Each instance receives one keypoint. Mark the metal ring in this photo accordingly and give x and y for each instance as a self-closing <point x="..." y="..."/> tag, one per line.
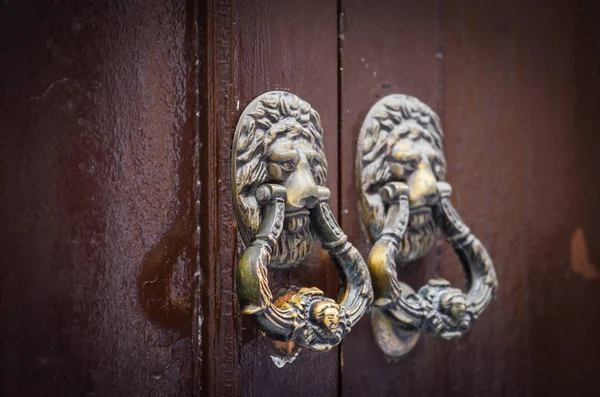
<point x="404" y="201"/>
<point x="436" y="308"/>
<point x="281" y="205"/>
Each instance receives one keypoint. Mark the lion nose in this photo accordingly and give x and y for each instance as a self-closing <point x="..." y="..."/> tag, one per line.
<point x="302" y="191"/>
<point x="422" y="187"/>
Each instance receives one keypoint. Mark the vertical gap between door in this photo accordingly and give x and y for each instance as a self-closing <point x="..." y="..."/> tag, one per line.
<point x="440" y="47"/>
<point x="197" y="39"/>
<point x="439" y="109"/>
<point x="340" y="113"/>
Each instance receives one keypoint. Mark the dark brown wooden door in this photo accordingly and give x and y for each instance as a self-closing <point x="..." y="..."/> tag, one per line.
<point x="513" y="83"/>
<point x="117" y="231"/>
<point x="98" y="230"/>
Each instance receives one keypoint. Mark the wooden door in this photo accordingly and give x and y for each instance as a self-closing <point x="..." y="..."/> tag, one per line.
<point x="99" y="170"/>
<point x="255" y="47"/>
<point x="513" y="83"/>
<point x="117" y="229"/>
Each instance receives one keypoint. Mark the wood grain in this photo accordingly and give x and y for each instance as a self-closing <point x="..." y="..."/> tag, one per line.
<point x="562" y="84"/>
<point x="399" y="54"/>
<point x="514" y="85"/>
<point x="98" y="222"/>
<point x="484" y="115"/>
<point x="117" y="229"/>
<point x="259" y="46"/>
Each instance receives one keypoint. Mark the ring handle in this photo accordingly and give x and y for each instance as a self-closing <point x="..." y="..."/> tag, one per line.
<point x="404" y="201"/>
<point x="308" y="318"/>
<point x="436" y="308"/>
<point x="281" y="205"/>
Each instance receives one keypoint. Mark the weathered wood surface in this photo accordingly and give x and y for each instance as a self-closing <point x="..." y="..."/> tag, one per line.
<point x="117" y="120"/>
<point x="97" y="160"/>
<point x="259" y="46"/>
<point x="515" y="85"/>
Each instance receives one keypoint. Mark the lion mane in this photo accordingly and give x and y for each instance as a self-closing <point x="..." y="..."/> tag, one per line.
<point x="400" y="117"/>
<point x="274" y="116"/>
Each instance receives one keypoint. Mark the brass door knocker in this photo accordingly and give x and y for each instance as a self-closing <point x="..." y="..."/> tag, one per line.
<point x="404" y="201"/>
<point x="281" y="206"/>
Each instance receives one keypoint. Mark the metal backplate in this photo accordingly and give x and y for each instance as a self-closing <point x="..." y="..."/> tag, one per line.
<point x="281" y="206"/>
<point x="393" y="340"/>
<point x="405" y="202"/>
<point x="400" y="140"/>
<point x="278" y="139"/>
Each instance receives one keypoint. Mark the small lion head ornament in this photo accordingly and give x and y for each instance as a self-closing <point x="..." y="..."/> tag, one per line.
<point x="280" y="141"/>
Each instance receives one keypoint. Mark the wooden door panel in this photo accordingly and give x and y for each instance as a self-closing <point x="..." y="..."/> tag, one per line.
<point x="117" y="227"/>
<point x="386" y="48"/>
<point x="483" y="115"/>
<point x="259" y="46"/>
<point x="513" y="85"/>
<point x="561" y="217"/>
<point x="97" y="163"/>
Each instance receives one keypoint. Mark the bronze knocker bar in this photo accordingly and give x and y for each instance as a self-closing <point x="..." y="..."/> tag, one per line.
<point x="281" y="206"/>
<point x="404" y="200"/>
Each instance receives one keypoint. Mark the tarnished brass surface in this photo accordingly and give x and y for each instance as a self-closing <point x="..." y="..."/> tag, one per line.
<point x="281" y="206"/>
<point x="391" y="338"/>
<point x="401" y="140"/>
<point x="404" y="202"/>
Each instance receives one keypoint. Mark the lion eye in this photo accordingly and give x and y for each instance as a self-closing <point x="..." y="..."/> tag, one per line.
<point x="287" y="166"/>
<point x="410" y="165"/>
<point x="438" y="169"/>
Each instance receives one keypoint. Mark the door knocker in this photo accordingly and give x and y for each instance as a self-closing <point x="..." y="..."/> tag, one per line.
<point x="281" y="206"/>
<point x="404" y="201"/>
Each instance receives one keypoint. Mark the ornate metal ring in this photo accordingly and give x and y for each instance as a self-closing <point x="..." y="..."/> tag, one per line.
<point x="281" y="206"/>
<point x="401" y="169"/>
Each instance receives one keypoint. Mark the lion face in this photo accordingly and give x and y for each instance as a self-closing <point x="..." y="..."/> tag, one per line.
<point x="403" y="144"/>
<point x="292" y="163"/>
<point x="416" y="162"/>
<point x="281" y="142"/>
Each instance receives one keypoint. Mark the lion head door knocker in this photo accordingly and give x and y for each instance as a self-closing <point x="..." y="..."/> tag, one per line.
<point x="404" y="201"/>
<point x="281" y="206"/>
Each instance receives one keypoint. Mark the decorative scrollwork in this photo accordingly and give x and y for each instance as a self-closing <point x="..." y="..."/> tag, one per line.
<point x="308" y="318"/>
<point x="404" y="200"/>
<point x="281" y="205"/>
<point x="436" y="308"/>
<point x="397" y="128"/>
